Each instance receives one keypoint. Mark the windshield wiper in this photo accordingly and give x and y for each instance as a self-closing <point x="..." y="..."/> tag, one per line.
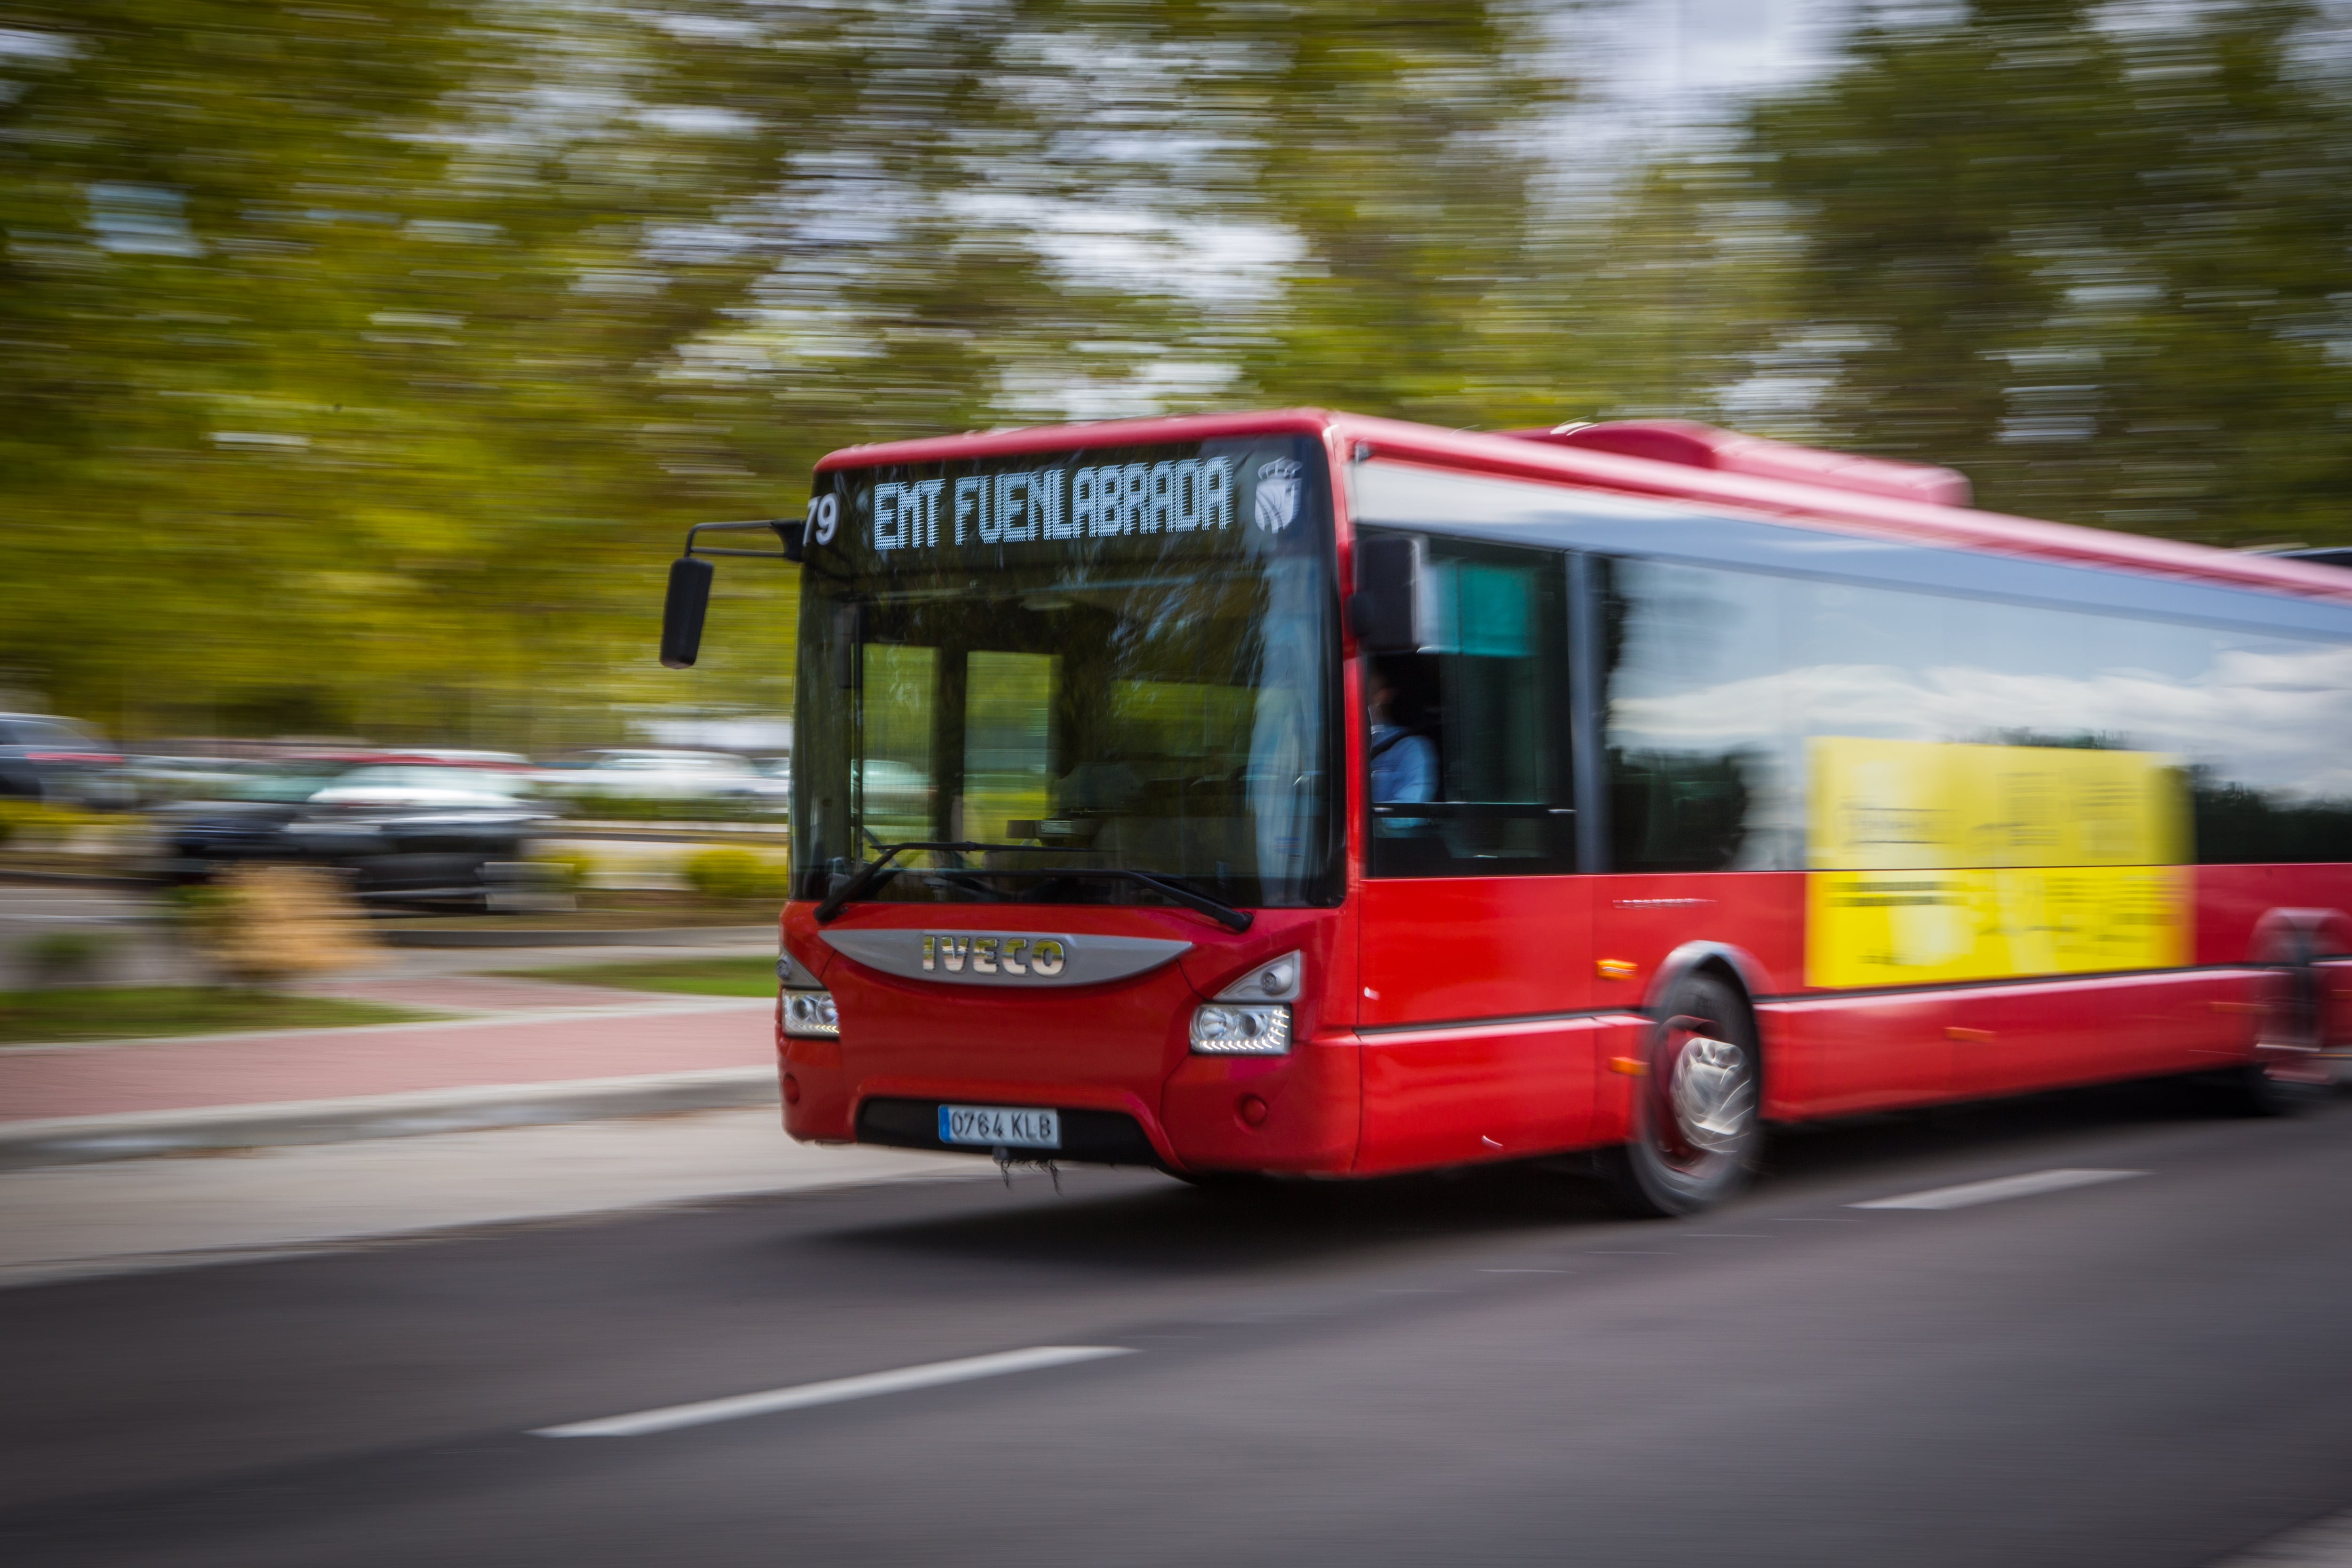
<point x="1216" y="909"/>
<point x="857" y="886"/>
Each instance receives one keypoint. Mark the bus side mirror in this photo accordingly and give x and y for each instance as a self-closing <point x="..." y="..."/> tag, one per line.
<point x="682" y="611"/>
<point x="1385" y="610"/>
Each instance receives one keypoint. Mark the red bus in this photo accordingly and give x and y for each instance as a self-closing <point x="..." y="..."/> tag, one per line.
<point x="1302" y="793"/>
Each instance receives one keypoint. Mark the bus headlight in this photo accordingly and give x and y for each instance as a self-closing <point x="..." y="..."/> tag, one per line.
<point x="810" y="1015"/>
<point x="1242" y="1028"/>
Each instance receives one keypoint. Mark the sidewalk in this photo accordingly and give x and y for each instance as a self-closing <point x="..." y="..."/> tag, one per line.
<point x="414" y="1130"/>
<point x="40" y="1083"/>
<point x="525" y="1051"/>
<point x="140" y="1216"/>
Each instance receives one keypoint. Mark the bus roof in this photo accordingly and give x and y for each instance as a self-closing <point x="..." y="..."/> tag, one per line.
<point x="1517" y="458"/>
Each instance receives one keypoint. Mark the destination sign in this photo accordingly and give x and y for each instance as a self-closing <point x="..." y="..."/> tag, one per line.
<point x="1104" y="500"/>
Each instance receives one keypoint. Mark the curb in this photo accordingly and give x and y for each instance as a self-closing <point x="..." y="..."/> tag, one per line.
<point x="78" y="879"/>
<point x="88" y="1140"/>
<point x="653" y="937"/>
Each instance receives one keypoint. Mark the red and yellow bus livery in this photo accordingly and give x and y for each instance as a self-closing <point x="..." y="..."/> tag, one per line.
<point x="1310" y="794"/>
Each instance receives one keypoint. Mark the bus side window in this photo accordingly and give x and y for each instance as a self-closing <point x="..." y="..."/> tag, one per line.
<point x="1466" y="740"/>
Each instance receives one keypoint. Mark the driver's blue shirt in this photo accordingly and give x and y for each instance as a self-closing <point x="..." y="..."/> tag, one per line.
<point x="1404" y="765"/>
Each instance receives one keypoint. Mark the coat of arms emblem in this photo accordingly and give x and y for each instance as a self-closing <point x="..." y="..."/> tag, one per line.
<point x="1277" y="493"/>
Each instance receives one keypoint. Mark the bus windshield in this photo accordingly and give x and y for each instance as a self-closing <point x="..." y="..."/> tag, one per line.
<point x="1077" y="666"/>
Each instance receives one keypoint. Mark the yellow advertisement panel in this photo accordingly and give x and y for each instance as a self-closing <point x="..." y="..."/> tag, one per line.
<point x="1934" y="862"/>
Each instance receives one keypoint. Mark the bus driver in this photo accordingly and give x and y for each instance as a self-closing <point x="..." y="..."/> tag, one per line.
<point x="1403" y="762"/>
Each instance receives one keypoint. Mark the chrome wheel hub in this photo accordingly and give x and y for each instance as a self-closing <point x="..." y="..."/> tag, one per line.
<point x="1713" y="1097"/>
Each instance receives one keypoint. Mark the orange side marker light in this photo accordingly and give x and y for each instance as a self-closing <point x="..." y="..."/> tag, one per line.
<point x="1617" y="968"/>
<point x="1630" y="1066"/>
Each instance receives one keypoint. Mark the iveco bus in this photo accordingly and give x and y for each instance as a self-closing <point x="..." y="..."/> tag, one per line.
<point x="1301" y="793"/>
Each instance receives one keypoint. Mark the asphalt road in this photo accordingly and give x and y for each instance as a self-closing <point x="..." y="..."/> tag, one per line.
<point x="2147" y="1370"/>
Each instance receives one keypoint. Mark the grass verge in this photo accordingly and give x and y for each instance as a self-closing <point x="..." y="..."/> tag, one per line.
<point x="632" y="909"/>
<point x="128" y="1012"/>
<point x="737" y="976"/>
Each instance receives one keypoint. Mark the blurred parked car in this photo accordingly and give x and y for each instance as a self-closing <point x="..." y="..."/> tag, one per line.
<point x="60" y="763"/>
<point x="426" y="784"/>
<point x="667" y="775"/>
<point x="415" y="831"/>
<point x="471" y="758"/>
<point x="895" y="791"/>
<point x="157" y="778"/>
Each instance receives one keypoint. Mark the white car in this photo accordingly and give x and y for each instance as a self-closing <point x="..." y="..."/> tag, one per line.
<point x="426" y="786"/>
<point x="667" y="775"/>
<point x="895" y="792"/>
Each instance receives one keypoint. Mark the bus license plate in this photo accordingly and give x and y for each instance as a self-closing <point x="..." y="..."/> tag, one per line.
<point x="999" y="1127"/>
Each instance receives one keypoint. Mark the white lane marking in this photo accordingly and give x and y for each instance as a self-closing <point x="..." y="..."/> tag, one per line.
<point x="833" y="1391"/>
<point x="1969" y="1194"/>
<point x="2327" y="1543"/>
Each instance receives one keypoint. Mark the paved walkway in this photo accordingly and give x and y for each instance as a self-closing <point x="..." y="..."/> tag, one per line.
<point x="510" y="1030"/>
<point x="484" y="994"/>
<point x="523" y="1048"/>
<point x="668" y="1034"/>
<point x="136" y="1216"/>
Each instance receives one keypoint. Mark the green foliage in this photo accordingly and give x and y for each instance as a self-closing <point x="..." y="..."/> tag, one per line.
<point x="121" y="1012"/>
<point x="1393" y="141"/>
<point x="2099" y="267"/>
<point x="63" y="958"/>
<point x="372" y="359"/>
<point x="731" y="977"/>
<point x="362" y="365"/>
<point x="736" y="873"/>
<point x="23" y="821"/>
<point x="568" y="872"/>
<point x="674" y="809"/>
<point x="337" y="367"/>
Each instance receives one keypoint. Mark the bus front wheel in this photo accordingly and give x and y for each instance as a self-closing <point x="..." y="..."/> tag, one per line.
<point x="1698" y="1118"/>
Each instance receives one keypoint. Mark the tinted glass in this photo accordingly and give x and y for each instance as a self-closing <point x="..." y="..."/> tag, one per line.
<point x="467" y="780"/>
<point x="45" y="732"/>
<point x="282" y="786"/>
<point x="1087" y="662"/>
<point x="1701" y="770"/>
<point x="1718" y="679"/>
<point x="1466" y="738"/>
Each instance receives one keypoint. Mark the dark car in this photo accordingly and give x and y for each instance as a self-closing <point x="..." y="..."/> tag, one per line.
<point x="59" y="763"/>
<point x="398" y="829"/>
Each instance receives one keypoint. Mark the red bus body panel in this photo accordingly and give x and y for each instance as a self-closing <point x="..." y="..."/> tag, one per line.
<point x="1119" y="1047"/>
<point x="1451" y="1021"/>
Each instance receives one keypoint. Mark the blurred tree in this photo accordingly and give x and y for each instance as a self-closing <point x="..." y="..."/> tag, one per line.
<point x="359" y="363"/>
<point x="1394" y="141"/>
<point x="326" y="350"/>
<point x="2092" y="256"/>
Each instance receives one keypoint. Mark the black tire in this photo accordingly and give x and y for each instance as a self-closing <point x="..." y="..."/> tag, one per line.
<point x="2287" y="1075"/>
<point x="2254" y="1090"/>
<point x="1698" y="1108"/>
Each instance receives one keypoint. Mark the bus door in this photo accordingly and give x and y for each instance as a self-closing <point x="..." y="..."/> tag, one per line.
<point x="1475" y="933"/>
